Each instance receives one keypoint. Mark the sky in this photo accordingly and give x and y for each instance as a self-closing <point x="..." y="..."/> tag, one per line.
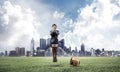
<point x="96" y="23"/>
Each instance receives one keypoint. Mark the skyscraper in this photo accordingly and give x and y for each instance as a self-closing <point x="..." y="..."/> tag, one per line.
<point x="82" y="49"/>
<point x="17" y="51"/>
<point x="32" y="47"/>
<point x="61" y="43"/>
<point x="92" y="52"/>
<point x="70" y="49"/>
<point x="48" y="43"/>
<point x="20" y="51"/>
<point x="76" y="49"/>
<point x="42" y="44"/>
<point x="6" y="53"/>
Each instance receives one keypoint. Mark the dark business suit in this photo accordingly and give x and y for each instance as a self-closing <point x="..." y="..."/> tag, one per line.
<point x="54" y="37"/>
<point x="54" y="40"/>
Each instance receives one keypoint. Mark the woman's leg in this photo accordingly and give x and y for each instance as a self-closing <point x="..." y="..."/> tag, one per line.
<point x="56" y="45"/>
<point x="54" y="51"/>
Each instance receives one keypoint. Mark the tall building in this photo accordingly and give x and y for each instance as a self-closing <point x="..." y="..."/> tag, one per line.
<point x="47" y="43"/>
<point x="70" y="49"/>
<point x="42" y="44"/>
<point x="32" y="47"/>
<point x="6" y="53"/>
<point x="61" y="43"/>
<point x="76" y="49"/>
<point x="92" y="52"/>
<point x="82" y="49"/>
<point x="20" y="51"/>
<point x="17" y="49"/>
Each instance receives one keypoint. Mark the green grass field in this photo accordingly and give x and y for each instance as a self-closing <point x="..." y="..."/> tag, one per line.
<point x="45" y="64"/>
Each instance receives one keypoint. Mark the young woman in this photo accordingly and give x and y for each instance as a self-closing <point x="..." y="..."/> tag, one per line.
<point x="54" y="41"/>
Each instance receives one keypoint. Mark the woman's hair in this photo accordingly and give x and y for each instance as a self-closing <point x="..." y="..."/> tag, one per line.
<point x="54" y="25"/>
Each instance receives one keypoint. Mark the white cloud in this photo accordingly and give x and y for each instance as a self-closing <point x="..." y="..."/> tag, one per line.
<point x="23" y="21"/>
<point x="57" y="15"/>
<point x="5" y="19"/>
<point x="18" y="22"/>
<point x="94" y="23"/>
<point x="117" y="39"/>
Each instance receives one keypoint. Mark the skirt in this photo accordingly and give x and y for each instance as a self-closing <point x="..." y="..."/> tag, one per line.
<point x="54" y="41"/>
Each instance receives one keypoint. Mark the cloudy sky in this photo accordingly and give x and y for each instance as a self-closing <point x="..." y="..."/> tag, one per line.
<point x="96" y="23"/>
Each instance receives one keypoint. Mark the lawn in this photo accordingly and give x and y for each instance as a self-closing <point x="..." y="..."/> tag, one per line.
<point x="45" y="64"/>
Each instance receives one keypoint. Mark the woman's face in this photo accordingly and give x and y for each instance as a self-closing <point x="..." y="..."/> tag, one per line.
<point x="54" y="27"/>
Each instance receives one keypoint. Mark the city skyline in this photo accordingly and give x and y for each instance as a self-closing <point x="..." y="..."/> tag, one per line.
<point x="44" y="50"/>
<point x="92" y="22"/>
<point x="44" y="43"/>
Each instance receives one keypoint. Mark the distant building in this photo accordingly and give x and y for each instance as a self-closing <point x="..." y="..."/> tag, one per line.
<point x="42" y="44"/>
<point x="47" y="43"/>
<point x="76" y="49"/>
<point x="48" y="52"/>
<point x="116" y="53"/>
<point x="2" y="54"/>
<point x="79" y="53"/>
<point x="17" y="49"/>
<point x="28" y="53"/>
<point x="73" y="52"/>
<point x="103" y="49"/>
<point x="61" y="43"/>
<point x="40" y="52"/>
<point x="32" y="50"/>
<point x="87" y="53"/>
<point x="70" y="49"/>
<point x="20" y="51"/>
<point x="82" y="49"/>
<point x="103" y="52"/>
<point x="12" y="53"/>
<point x="98" y="52"/>
<point x="92" y="52"/>
<point x="6" y="53"/>
<point x="110" y="53"/>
